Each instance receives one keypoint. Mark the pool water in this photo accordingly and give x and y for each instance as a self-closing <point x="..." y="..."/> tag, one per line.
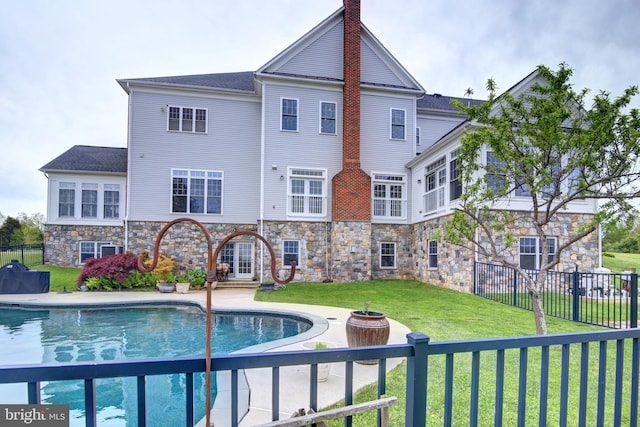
<point x="94" y="334"/>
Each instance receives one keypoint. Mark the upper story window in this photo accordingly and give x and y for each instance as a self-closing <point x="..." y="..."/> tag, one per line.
<point x="89" y="200"/>
<point x="196" y="191"/>
<point x="398" y="124"/>
<point x="307" y="192"/>
<point x="289" y="114"/>
<point x="328" y="117"/>
<point x="187" y="119"/>
<point x="111" y="201"/>
<point x="455" y="181"/>
<point x="387" y="255"/>
<point x="417" y="136"/>
<point x="66" y="199"/>
<point x="290" y="252"/>
<point x="389" y="196"/>
<point x="531" y="252"/>
<point x="435" y="183"/>
<point x="496" y="180"/>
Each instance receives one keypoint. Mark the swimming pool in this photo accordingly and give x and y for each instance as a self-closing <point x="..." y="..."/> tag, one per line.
<point x="129" y="332"/>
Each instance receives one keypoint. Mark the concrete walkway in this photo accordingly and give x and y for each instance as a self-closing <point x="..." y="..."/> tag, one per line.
<point x="294" y="380"/>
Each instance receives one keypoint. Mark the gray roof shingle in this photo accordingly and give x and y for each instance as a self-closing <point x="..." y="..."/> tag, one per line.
<point x="443" y="103"/>
<point x="88" y="158"/>
<point x="242" y="81"/>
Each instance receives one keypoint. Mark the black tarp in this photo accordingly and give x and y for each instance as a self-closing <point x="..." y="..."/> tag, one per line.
<point x="16" y="278"/>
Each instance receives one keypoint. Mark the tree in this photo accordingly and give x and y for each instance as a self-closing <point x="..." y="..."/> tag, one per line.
<point x="32" y="228"/>
<point x="544" y="144"/>
<point x="8" y="232"/>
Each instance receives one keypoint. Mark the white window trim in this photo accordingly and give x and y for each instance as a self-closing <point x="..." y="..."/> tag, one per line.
<point x="288" y="267"/>
<point x="441" y="191"/>
<point x="430" y="254"/>
<point x="323" y="178"/>
<point x="297" y="129"/>
<point x="404" y="124"/>
<point x="96" y="249"/>
<point x="538" y="254"/>
<point x="335" y="119"/>
<point x="206" y="177"/>
<point x="182" y="107"/>
<point x="395" y="255"/>
<point x="403" y="200"/>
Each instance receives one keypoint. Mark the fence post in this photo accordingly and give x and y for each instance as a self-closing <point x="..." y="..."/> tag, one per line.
<point x="634" y="300"/>
<point x="416" y="407"/>
<point x="42" y="247"/>
<point x="515" y="286"/>
<point x="576" y="296"/>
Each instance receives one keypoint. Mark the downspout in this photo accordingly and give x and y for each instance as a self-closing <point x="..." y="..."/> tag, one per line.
<point x="262" y="160"/>
<point x="126" y="178"/>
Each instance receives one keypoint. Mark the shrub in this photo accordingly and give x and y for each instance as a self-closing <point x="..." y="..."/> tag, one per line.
<point x="112" y="270"/>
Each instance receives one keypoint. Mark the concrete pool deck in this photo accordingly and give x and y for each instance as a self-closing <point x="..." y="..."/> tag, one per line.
<point x="294" y="380"/>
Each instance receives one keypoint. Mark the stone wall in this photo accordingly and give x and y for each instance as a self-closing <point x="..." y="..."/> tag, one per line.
<point x="402" y="236"/>
<point x="61" y="242"/>
<point x="315" y="241"/>
<point x="184" y="241"/>
<point x="351" y="251"/>
<point x="455" y="265"/>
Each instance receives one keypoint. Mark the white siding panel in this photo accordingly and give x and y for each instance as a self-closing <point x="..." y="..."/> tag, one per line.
<point x="321" y="58"/>
<point x="432" y="129"/>
<point x="306" y="148"/>
<point x="232" y="145"/>
<point x="374" y="70"/>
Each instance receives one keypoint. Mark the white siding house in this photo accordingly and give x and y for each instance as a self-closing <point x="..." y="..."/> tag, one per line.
<point x="263" y="150"/>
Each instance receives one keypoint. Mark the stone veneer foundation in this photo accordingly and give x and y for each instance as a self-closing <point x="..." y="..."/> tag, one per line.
<point x="62" y="245"/>
<point x="340" y="251"/>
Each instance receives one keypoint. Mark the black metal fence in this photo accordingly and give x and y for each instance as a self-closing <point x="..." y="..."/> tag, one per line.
<point x="587" y="379"/>
<point x="603" y="299"/>
<point x="28" y="255"/>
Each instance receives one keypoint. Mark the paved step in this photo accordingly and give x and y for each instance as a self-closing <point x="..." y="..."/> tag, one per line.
<point x="226" y="284"/>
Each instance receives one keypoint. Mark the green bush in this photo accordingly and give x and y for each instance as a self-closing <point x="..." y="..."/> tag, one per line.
<point x="114" y="272"/>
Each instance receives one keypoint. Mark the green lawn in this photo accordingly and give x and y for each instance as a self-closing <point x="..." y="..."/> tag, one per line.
<point x="620" y="262"/>
<point x="446" y="315"/>
<point x="60" y="277"/>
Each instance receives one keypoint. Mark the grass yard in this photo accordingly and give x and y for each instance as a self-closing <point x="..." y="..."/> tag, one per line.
<point x="60" y="277"/>
<point x="446" y="315"/>
<point x="620" y="262"/>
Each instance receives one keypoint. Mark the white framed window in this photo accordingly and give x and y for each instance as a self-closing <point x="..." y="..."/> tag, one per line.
<point x="289" y="114"/>
<point x="435" y="184"/>
<point x="307" y="192"/>
<point x="531" y="252"/>
<point x="111" y="202"/>
<point x="389" y="196"/>
<point x="398" y="124"/>
<point x="387" y="255"/>
<point x="187" y="119"/>
<point x="455" y="180"/>
<point x="89" y="200"/>
<point x="417" y="136"/>
<point x="328" y="111"/>
<point x="433" y="253"/>
<point x="88" y="250"/>
<point x="67" y="199"/>
<point x="496" y="179"/>
<point x="290" y="252"/>
<point x="196" y="191"/>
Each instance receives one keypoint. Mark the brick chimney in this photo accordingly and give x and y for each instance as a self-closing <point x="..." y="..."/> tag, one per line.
<point x="351" y="186"/>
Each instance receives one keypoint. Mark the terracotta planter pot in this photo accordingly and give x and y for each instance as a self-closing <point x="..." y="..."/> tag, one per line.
<point x="365" y="330"/>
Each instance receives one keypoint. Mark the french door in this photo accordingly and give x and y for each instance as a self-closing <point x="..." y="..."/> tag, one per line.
<point x="240" y="257"/>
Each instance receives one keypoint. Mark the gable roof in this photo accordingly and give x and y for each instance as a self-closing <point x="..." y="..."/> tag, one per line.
<point x="240" y="81"/>
<point x="84" y="158"/>
<point x="318" y="55"/>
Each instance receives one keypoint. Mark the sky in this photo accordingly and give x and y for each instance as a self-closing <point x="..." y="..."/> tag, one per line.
<point x="59" y="60"/>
